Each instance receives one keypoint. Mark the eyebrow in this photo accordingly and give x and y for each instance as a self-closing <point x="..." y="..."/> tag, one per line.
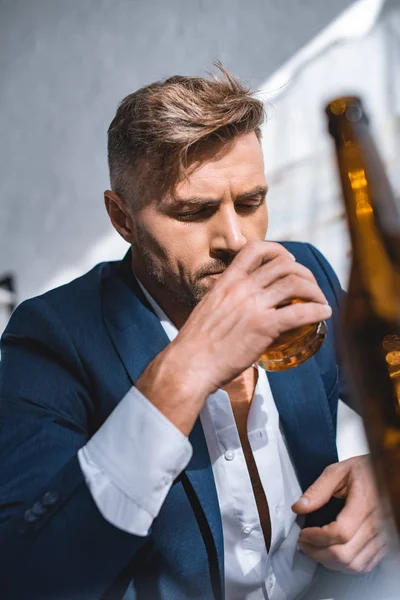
<point x="260" y="190"/>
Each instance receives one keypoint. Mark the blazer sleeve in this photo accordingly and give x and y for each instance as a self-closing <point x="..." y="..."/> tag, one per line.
<point x="338" y="296"/>
<point x="54" y="541"/>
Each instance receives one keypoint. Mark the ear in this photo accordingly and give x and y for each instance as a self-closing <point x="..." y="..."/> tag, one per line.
<point x="119" y="215"/>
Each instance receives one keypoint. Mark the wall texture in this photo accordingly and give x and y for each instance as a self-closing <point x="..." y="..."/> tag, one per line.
<point x="305" y="199"/>
<point x="64" y="66"/>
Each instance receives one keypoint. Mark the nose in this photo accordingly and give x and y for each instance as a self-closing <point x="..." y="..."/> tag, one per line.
<point x="227" y="237"/>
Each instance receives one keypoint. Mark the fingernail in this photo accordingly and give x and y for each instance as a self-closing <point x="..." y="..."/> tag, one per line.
<point x="303" y="501"/>
<point x="292" y="255"/>
<point x="327" y="309"/>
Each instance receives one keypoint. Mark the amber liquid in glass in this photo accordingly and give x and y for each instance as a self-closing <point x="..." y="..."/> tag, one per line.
<point x="293" y="347"/>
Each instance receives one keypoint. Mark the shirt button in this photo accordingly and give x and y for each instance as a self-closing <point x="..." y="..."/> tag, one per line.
<point x="270" y="582"/>
<point x="229" y="455"/>
<point x="30" y="517"/>
<point x="246" y="530"/>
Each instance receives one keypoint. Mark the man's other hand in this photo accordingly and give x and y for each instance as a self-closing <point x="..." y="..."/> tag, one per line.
<point x="354" y="542"/>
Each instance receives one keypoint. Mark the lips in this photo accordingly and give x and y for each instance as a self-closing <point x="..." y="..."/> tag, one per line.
<point x="211" y="273"/>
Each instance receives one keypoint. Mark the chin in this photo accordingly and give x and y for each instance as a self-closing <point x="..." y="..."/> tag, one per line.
<point x="203" y="289"/>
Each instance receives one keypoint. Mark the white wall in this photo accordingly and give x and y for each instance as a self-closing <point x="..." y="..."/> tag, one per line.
<point x="305" y="199"/>
<point x="355" y="56"/>
<point x="64" y="66"/>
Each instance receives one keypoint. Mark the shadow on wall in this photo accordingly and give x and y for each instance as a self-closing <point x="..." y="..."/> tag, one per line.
<point x="7" y="299"/>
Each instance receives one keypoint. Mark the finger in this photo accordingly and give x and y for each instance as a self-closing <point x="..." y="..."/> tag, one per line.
<point x="278" y="268"/>
<point x="296" y="315"/>
<point x="320" y="537"/>
<point x="319" y="555"/>
<point x="360" y="503"/>
<point x="327" y="484"/>
<point x="341" y="533"/>
<point x="376" y="560"/>
<point x="369" y="555"/>
<point x="252" y="256"/>
<point x="354" y="554"/>
<point x="343" y="558"/>
<point x="289" y="288"/>
<point x="325" y="557"/>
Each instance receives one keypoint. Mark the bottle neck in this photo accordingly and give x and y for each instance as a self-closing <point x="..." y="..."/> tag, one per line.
<point x="372" y="213"/>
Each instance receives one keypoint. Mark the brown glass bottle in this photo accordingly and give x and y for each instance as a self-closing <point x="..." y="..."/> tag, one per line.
<point x="371" y="316"/>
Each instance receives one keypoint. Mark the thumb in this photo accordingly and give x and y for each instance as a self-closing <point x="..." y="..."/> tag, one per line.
<point x="321" y="491"/>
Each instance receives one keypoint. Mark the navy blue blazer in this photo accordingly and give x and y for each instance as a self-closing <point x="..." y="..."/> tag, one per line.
<point x="68" y="357"/>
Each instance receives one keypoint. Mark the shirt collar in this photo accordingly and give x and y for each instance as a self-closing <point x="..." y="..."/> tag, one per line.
<point x="166" y="323"/>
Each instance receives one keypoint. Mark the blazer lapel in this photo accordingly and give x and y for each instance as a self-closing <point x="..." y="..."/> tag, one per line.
<point x="135" y="330"/>
<point x="301" y="400"/>
<point x="200" y="475"/>
<point x="138" y="337"/>
<point x="300" y="397"/>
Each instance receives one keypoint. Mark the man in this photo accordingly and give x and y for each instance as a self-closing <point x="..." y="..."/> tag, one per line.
<point x="144" y="453"/>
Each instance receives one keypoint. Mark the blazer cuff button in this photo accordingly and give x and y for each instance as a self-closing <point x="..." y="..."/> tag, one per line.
<point x="50" y="498"/>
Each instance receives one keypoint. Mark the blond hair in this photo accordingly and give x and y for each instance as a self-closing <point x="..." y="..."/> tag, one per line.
<point x="158" y="129"/>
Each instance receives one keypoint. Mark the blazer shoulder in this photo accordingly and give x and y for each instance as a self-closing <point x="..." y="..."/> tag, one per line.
<point x="46" y="344"/>
<point x="83" y="289"/>
<point x="78" y="300"/>
<point x="55" y="319"/>
<point x="309" y="256"/>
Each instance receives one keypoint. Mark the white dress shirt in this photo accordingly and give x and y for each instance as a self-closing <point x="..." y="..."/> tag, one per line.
<point x="129" y="493"/>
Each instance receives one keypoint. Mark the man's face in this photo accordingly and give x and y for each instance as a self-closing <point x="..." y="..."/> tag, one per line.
<point x="182" y="241"/>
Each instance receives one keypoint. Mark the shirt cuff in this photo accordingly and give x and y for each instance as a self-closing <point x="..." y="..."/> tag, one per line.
<point x="131" y="461"/>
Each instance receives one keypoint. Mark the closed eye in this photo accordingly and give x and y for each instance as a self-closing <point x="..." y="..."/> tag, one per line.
<point x="248" y="207"/>
<point x="204" y="212"/>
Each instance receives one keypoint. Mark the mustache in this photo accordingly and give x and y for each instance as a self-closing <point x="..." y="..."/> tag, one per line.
<point x="212" y="268"/>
